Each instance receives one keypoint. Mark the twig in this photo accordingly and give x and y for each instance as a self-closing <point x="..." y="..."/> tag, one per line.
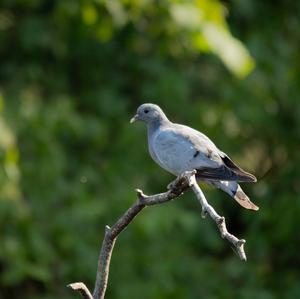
<point x="82" y="289"/>
<point x="176" y="188"/>
<point x="220" y="221"/>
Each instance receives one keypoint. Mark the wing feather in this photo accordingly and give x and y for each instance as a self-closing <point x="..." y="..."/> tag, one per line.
<point x="178" y="148"/>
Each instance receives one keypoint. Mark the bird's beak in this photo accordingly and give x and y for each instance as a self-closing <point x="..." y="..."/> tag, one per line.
<point x="135" y="118"/>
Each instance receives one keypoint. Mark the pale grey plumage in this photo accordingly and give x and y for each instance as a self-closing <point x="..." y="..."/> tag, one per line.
<point x="178" y="148"/>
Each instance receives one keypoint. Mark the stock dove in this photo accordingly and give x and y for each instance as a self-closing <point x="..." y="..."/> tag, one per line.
<point x="178" y="148"/>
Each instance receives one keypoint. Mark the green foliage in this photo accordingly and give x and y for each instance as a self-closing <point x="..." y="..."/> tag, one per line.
<point x="72" y="74"/>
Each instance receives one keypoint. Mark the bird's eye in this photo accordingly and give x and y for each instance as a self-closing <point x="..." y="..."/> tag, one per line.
<point x="146" y="111"/>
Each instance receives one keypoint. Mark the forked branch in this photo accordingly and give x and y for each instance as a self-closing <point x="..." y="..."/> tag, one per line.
<point x="176" y="188"/>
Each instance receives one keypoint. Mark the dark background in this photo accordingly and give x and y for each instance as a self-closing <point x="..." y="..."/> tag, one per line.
<point x="72" y="73"/>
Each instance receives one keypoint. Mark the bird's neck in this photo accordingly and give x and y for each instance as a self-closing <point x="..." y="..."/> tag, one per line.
<point x="156" y="124"/>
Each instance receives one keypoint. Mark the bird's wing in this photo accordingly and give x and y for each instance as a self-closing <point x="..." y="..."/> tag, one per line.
<point x="179" y="148"/>
<point x="243" y="175"/>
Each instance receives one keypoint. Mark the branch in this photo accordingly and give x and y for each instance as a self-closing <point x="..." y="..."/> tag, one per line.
<point x="220" y="221"/>
<point x="176" y="188"/>
<point x="82" y="289"/>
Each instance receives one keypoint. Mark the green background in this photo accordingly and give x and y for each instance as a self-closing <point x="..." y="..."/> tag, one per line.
<point x="72" y="73"/>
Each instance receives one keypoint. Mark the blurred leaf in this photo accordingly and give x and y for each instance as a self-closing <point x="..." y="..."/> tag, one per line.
<point x="229" y="49"/>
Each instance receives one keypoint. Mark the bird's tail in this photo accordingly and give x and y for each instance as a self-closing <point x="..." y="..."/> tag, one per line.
<point x="235" y="191"/>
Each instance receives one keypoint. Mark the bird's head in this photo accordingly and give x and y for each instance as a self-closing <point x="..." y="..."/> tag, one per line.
<point x="149" y="113"/>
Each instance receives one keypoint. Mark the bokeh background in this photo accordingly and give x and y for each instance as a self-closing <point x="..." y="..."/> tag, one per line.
<point x="72" y="73"/>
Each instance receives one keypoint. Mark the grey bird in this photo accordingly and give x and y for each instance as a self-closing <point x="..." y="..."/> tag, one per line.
<point x="178" y="148"/>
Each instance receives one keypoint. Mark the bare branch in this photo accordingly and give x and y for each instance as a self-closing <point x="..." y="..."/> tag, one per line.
<point x="82" y="289"/>
<point x="220" y="221"/>
<point x="176" y="188"/>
